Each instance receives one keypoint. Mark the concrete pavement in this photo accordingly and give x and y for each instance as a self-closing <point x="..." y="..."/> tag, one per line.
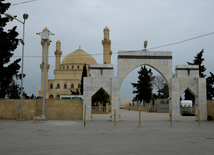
<point x="100" y="137"/>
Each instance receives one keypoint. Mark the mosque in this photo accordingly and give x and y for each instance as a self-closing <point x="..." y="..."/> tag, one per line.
<point x="68" y="72"/>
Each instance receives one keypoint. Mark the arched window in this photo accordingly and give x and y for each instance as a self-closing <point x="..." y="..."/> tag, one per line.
<point x="65" y="86"/>
<point x="58" y="86"/>
<point x="72" y="85"/>
<point x="72" y="67"/>
<point x="78" y="67"/>
<point x="67" y="67"/>
<point x="51" y="86"/>
<point x="79" y="85"/>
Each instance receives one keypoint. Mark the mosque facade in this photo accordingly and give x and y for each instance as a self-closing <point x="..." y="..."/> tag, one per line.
<point x="68" y="72"/>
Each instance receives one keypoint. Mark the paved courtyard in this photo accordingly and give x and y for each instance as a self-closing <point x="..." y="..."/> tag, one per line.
<point x="155" y="136"/>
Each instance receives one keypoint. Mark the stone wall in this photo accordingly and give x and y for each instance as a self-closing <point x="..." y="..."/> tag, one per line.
<point x="162" y="105"/>
<point x="210" y="108"/>
<point x="54" y="109"/>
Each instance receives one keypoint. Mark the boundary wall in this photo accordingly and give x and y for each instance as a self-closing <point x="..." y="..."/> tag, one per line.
<point x="54" y="109"/>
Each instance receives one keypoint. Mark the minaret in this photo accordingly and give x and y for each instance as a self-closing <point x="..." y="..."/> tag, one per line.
<point x="106" y="47"/>
<point x="42" y="65"/>
<point x="58" y="54"/>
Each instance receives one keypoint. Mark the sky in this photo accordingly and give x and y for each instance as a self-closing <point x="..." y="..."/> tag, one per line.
<point x="81" y="22"/>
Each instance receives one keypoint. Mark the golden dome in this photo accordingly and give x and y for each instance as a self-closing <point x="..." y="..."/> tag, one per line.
<point x="125" y="101"/>
<point x="79" y="56"/>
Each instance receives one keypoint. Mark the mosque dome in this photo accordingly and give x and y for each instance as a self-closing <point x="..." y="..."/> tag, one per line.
<point x="106" y="29"/>
<point x="79" y="56"/>
<point x="125" y="101"/>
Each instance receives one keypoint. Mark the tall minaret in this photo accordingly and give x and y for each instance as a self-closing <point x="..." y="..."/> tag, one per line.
<point x="42" y="65"/>
<point x="106" y="47"/>
<point x="58" y="54"/>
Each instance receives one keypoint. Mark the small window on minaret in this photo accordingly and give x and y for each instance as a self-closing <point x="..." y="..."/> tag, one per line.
<point x="79" y="85"/>
<point x="67" y="67"/>
<point x="78" y="67"/>
<point x="72" y="67"/>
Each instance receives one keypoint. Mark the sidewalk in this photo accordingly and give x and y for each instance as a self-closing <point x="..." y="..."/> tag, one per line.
<point x="154" y="137"/>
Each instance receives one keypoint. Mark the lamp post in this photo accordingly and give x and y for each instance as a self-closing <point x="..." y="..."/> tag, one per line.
<point x="45" y="35"/>
<point x="34" y="84"/>
<point x="25" y="16"/>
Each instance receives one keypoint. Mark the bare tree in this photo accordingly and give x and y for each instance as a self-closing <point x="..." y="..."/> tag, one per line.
<point x="158" y="82"/>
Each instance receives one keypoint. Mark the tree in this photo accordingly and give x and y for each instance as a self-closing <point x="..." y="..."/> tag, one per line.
<point x="158" y="82"/>
<point x="101" y="96"/>
<point x="84" y="74"/>
<point x="163" y="92"/>
<point x="210" y="86"/>
<point x="143" y="87"/>
<point x="75" y="92"/>
<point x="15" y="91"/>
<point x="8" y="43"/>
<point x="198" y="61"/>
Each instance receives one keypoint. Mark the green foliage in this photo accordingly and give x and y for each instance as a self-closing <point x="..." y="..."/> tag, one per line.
<point x="210" y="86"/>
<point x="143" y="87"/>
<point x="163" y="92"/>
<point x="15" y="91"/>
<point x="84" y="74"/>
<point x="75" y="92"/>
<point x="101" y="96"/>
<point x="198" y="61"/>
<point x="8" y="43"/>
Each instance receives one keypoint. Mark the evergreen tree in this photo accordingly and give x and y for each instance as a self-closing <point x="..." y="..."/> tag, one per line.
<point x="198" y="61"/>
<point x="101" y="96"/>
<point x="8" y="43"/>
<point x="143" y="87"/>
<point x="15" y="91"/>
<point x="75" y="92"/>
<point x="84" y="74"/>
<point x="210" y="86"/>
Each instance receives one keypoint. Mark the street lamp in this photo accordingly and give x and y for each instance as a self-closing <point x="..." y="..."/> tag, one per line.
<point x="25" y="16"/>
<point x="45" y="35"/>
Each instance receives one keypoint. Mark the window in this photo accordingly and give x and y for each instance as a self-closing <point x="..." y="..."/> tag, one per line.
<point x="58" y="86"/>
<point x="72" y="85"/>
<point x="78" y="67"/>
<point x="67" y="67"/>
<point x="63" y="67"/>
<point x="65" y="86"/>
<point x="72" y="67"/>
<point x="51" y="86"/>
<point x="79" y="85"/>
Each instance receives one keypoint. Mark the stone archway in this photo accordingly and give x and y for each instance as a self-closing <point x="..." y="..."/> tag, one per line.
<point x="102" y="75"/>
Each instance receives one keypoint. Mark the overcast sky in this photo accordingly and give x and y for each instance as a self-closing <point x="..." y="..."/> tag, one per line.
<point x="131" y="22"/>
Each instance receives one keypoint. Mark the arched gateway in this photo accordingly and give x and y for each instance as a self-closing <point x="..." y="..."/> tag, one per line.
<point x="187" y="77"/>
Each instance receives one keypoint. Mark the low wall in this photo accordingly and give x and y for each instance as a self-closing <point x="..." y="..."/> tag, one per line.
<point x="54" y="109"/>
<point x="210" y="108"/>
<point x="162" y="105"/>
